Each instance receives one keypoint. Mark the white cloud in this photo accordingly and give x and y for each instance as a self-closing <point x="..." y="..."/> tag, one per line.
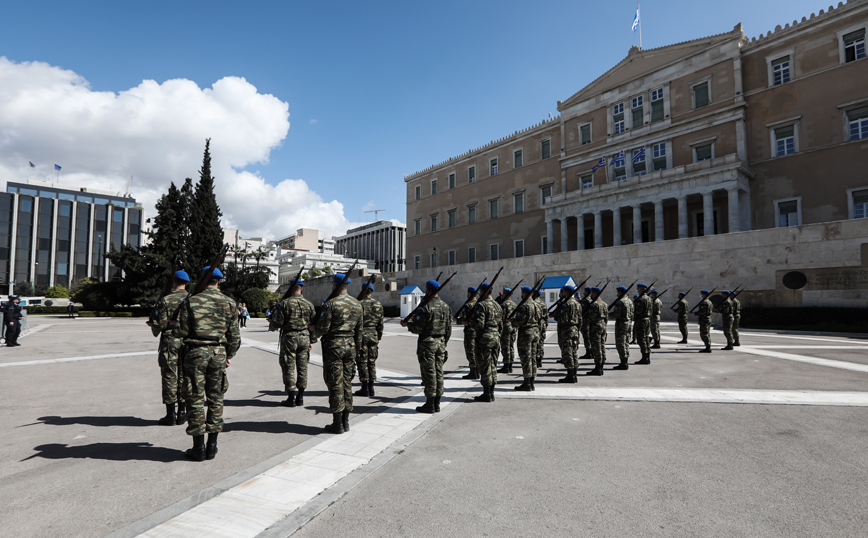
<point x="314" y="121"/>
<point x="156" y="133"/>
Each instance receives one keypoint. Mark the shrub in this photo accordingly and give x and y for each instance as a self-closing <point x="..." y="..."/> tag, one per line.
<point x="256" y="299"/>
<point x="57" y="292"/>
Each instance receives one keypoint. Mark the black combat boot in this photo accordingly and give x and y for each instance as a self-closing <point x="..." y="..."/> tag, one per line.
<point x="596" y="371"/>
<point x="436" y="404"/>
<point x="727" y="348"/>
<point x="706" y="350"/>
<point x="507" y="368"/>
<point x="299" y="397"/>
<point x="532" y="385"/>
<point x="197" y="453"/>
<point x="525" y="386"/>
<point x="211" y="446"/>
<point x="539" y="363"/>
<point x="428" y="407"/>
<point x="682" y="341"/>
<point x="290" y="399"/>
<point x="485" y="396"/>
<point x="568" y="378"/>
<point x="622" y="366"/>
<point x="371" y="393"/>
<point x="472" y="375"/>
<point x="364" y="390"/>
<point x="646" y="359"/>
<point x="169" y="419"/>
<point x="181" y="418"/>
<point x="656" y="345"/>
<point x="491" y="391"/>
<point x="337" y="425"/>
<point x="346" y="420"/>
<point x="736" y="343"/>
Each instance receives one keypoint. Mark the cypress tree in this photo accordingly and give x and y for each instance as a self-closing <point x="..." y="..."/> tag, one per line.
<point x="206" y="233"/>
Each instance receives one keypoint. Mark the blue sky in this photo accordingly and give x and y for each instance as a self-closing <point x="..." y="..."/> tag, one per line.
<point x="375" y="90"/>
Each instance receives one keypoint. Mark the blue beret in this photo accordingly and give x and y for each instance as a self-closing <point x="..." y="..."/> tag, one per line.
<point x="655" y="292"/>
<point x="339" y="277"/>
<point x="587" y="288"/>
<point x="526" y="289"/>
<point x="300" y="282"/>
<point x="681" y="293"/>
<point x="621" y="288"/>
<point x="371" y="287"/>
<point x="641" y="286"/>
<point x="471" y="289"/>
<point x="216" y="274"/>
<point x="484" y="286"/>
<point x="704" y="291"/>
<point x="726" y="292"/>
<point x="507" y="290"/>
<point x="432" y="285"/>
<point x="182" y="275"/>
<point x="596" y="288"/>
<point x="569" y="289"/>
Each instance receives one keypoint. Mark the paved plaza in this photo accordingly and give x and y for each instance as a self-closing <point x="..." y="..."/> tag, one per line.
<point x="766" y="440"/>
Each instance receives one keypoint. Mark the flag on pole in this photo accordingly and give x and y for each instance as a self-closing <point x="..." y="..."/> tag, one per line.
<point x="636" y="20"/>
<point x="639" y="155"/>
<point x="601" y="163"/>
<point x="619" y="158"/>
<point x="57" y="167"/>
<point x="31" y="164"/>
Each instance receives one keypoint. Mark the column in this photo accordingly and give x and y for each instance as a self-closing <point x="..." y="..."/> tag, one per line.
<point x="598" y="229"/>
<point x="708" y="213"/>
<point x="734" y="214"/>
<point x="682" y="217"/>
<point x="53" y="265"/>
<point x="34" y="242"/>
<point x="616" y="226"/>
<point x="13" y="257"/>
<point x="637" y="224"/>
<point x="564" y="236"/>
<point x="550" y="236"/>
<point x="659" y="232"/>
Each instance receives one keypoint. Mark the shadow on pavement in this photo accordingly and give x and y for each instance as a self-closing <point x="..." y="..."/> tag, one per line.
<point x="94" y="421"/>
<point x="271" y="427"/>
<point x="108" y="451"/>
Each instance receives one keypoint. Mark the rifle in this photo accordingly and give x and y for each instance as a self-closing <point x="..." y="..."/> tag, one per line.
<point x="686" y="294"/>
<point x="651" y="287"/>
<point x="604" y="288"/>
<point x="700" y="302"/>
<point x="731" y="295"/>
<point x="202" y="283"/>
<point x="438" y="276"/>
<point x="561" y="301"/>
<point x="484" y="295"/>
<point x="502" y="299"/>
<point x="611" y="306"/>
<point x="292" y="286"/>
<point x="460" y="310"/>
<point x="335" y="292"/>
<point x="659" y="295"/>
<point x="426" y="300"/>
<point x="365" y="287"/>
<point x="536" y="287"/>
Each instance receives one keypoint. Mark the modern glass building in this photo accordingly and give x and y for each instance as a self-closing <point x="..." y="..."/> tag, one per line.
<point x="58" y="234"/>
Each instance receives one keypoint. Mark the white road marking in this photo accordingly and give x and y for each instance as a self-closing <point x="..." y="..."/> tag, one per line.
<point x="85" y="358"/>
<point x="844" y="365"/>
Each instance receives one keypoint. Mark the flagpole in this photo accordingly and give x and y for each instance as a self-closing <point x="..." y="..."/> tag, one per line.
<point x="639" y="13"/>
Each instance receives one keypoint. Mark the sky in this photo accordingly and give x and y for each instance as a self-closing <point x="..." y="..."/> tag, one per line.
<point x="315" y="110"/>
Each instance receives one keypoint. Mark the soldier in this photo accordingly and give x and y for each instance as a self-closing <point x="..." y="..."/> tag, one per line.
<point x="372" y="333"/>
<point x="598" y="317"/>
<point x="736" y="317"/>
<point x="487" y="320"/>
<point x="725" y="309"/>
<point x="642" y="308"/>
<point x="433" y="324"/>
<point x="208" y="326"/>
<point x="162" y="322"/>
<point x="340" y="328"/>
<point x="527" y="320"/>
<point x="703" y="311"/>
<point x="656" y="310"/>
<point x="543" y="325"/>
<point x="569" y="318"/>
<point x="469" y="335"/>
<point x="293" y="317"/>
<point x="586" y="303"/>
<point x="12" y="321"/>
<point x="507" y="337"/>
<point x="681" y="309"/>
<point x="623" y="308"/>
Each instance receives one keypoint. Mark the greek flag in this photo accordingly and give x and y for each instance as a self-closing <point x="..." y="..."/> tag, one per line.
<point x="636" y="20"/>
<point x="601" y="163"/>
<point x="619" y="158"/>
<point x="57" y="167"/>
<point x="639" y="155"/>
<point x="31" y="164"/>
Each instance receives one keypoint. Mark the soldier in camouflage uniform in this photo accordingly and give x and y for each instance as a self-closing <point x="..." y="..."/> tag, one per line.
<point x="598" y="317"/>
<point x="642" y="309"/>
<point x="526" y="318"/>
<point x="487" y="320"/>
<point x="469" y="335"/>
<point x="543" y="312"/>
<point x="372" y="333"/>
<point x="507" y="337"/>
<point x="703" y="311"/>
<point x="725" y="309"/>
<point x="340" y="329"/>
<point x="433" y="324"/>
<point x="569" y="318"/>
<point x="161" y="325"/>
<point x="208" y="327"/>
<point x="656" y="312"/>
<point x="293" y="317"/>
<point x="681" y="309"/>
<point x="736" y="317"/>
<point x="623" y="312"/>
<point x="586" y="303"/>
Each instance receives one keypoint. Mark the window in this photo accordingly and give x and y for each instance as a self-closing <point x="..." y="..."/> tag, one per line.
<point x="544" y="194"/>
<point x="492" y="167"/>
<point x="417" y="227"/>
<point x="703" y="152"/>
<point x="701" y="96"/>
<point x="658" y="156"/>
<point x="854" y="46"/>
<point x="451" y="257"/>
<point x="433" y="223"/>
<point x="471" y="174"/>
<point x="471" y="214"/>
<point x="433" y="262"/>
<point x="451" y="217"/>
<point x="471" y="255"/>
<point x="860" y="204"/>
<point x="493" y="208"/>
<point x="518" y="248"/>
<point x="656" y="105"/>
<point x="618" y="118"/>
<point x="433" y="187"/>
<point x="639" y="167"/>
<point x="781" y="71"/>
<point x="619" y="167"/>
<point x="494" y="252"/>
<point x="518" y="203"/>
<point x="784" y="140"/>
<point x="517" y="159"/>
<point x="585" y="133"/>
<point x="636" y="107"/>
<point x="587" y="181"/>
<point x="545" y="149"/>
<point x="788" y="213"/>
<point x="417" y="262"/>
<point x="857" y="122"/>
<point x="418" y="192"/>
<point x="452" y="180"/>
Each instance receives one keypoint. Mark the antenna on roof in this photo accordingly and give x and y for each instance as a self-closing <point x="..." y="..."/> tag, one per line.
<point x="129" y="184"/>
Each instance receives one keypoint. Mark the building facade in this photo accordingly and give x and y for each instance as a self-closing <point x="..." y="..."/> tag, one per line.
<point x="383" y="242"/>
<point x="58" y="234"/>
<point x="307" y="239"/>
<point x="716" y="135"/>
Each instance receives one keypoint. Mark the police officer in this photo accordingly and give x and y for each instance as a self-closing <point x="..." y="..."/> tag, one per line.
<point x="12" y="321"/>
<point x="433" y="324"/>
<point x="162" y="322"/>
<point x="293" y="317"/>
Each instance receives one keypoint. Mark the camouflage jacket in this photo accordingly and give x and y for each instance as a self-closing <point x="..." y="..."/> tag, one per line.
<point x="656" y="308"/>
<point x="372" y="317"/>
<point x="294" y="314"/>
<point x="507" y="308"/>
<point x="463" y="316"/>
<point x="598" y="315"/>
<point x="209" y="318"/>
<point x="622" y="308"/>
<point x="341" y="318"/>
<point x="487" y="320"/>
<point x="526" y="317"/>
<point x="568" y="315"/>
<point x="682" y="308"/>
<point x="725" y="308"/>
<point x="703" y="309"/>
<point x="434" y="320"/>
<point x="736" y="308"/>
<point x="642" y="307"/>
<point x="543" y="312"/>
<point x="585" y="303"/>
<point x="161" y="315"/>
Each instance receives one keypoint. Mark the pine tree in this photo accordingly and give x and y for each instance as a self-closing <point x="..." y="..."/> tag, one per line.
<point x="206" y="233"/>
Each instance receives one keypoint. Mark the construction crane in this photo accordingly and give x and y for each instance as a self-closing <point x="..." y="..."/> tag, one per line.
<point x="129" y="184"/>
<point x="375" y="212"/>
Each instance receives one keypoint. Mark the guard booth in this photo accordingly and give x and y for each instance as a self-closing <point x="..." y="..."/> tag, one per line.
<point x="551" y="288"/>
<point x="411" y="296"/>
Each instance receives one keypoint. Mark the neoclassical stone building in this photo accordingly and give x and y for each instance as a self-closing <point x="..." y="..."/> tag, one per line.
<point x="716" y="135"/>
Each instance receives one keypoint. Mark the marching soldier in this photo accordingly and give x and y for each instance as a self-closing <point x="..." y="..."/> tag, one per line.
<point x="623" y="310"/>
<point x="736" y="317"/>
<point x="470" y="335"/>
<point x="656" y="310"/>
<point x="208" y="326"/>
<point x="569" y="318"/>
<point x="543" y="325"/>
<point x="293" y="317"/>
<point x="725" y="309"/>
<point x="703" y="312"/>
<point x="340" y="329"/>
<point x="487" y="320"/>
<point x="681" y="309"/>
<point x="161" y="325"/>
<point x="598" y="317"/>
<point x="433" y="324"/>
<point x="508" y="335"/>
<point x="643" y="306"/>
<point x="527" y="320"/>
<point x="585" y="303"/>
<point x="372" y="333"/>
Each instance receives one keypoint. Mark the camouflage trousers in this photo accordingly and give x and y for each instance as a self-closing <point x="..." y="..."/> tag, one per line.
<point x="339" y="368"/>
<point x="487" y="348"/>
<point x="623" y="331"/>
<point x="294" y="356"/>
<point x="727" y="330"/>
<point x="367" y="358"/>
<point x="568" y="341"/>
<point x="598" y="345"/>
<point x="172" y="379"/>
<point x="641" y="328"/>
<point x="540" y="348"/>
<point x="470" y="346"/>
<point x="586" y="337"/>
<point x="682" y="326"/>
<point x="205" y="377"/>
<point x="736" y="321"/>
<point x="431" y="353"/>
<point x="655" y="329"/>
<point x="507" y="346"/>
<point x="705" y="330"/>
<point x="528" y="340"/>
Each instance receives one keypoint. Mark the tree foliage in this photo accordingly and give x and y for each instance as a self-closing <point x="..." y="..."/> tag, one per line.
<point x="256" y="299"/>
<point x="57" y="291"/>
<point x="237" y="280"/>
<point x="206" y="233"/>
